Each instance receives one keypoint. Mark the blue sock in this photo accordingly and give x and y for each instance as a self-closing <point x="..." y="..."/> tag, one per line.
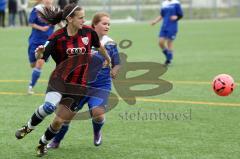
<point x="60" y="135"/>
<point x="35" y="76"/>
<point x="97" y="126"/>
<point x="165" y="52"/>
<point x="169" y="55"/>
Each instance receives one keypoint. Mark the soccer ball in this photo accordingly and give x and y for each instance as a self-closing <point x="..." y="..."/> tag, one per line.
<point x="223" y="85"/>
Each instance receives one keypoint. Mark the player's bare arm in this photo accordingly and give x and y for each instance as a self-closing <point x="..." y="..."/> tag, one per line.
<point x="156" y="20"/>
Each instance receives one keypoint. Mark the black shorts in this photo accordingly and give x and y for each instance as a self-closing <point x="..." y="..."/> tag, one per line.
<point x="71" y="101"/>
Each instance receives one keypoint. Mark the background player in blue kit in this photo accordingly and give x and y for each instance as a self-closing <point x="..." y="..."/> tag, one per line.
<point x="170" y="12"/>
<point x="101" y="24"/>
<point x="39" y="35"/>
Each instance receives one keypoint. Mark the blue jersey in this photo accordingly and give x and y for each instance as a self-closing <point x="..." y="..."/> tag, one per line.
<point x="103" y="79"/>
<point x="38" y="36"/>
<point x="170" y="8"/>
<point x="100" y="87"/>
<point x="2" y="5"/>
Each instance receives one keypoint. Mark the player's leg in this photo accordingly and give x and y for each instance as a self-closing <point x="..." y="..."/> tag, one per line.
<point x="55" y="143"/>
<point x="171" y="36"/>
<point x="64" y="114"/>
<point x="51" y="101"/>
<point x="25" y="17"/>
<point x="98" y="119"/>
<point x="162" y="44"/>
<point x="20" y="14"/>
<point x="1" y="19"/>
<point x="32" y="60"/>
<point x="97" y="107"/>
<point x="36" y="73"/>
<point x="170" y="50"/>
<point x="50" y="132"/>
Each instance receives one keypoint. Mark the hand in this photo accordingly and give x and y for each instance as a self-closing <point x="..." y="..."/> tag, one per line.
<point x="113" y="73"/>
<point x="39" y="52"/>
<point x="174" y="17"/>
<point x="45" y="28"/>
<point x="153" y="23"/>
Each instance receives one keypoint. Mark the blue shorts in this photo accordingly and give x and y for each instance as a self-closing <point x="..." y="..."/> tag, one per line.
<point x="168" y="35"/>
<point x="31" y="52"/>
<point x="95" y="97"/>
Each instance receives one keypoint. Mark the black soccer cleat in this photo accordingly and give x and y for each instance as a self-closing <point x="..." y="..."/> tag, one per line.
<point x="167" y="62"/>
<point x="41" y="150"/>
<point x="97" y="138"/>
<point x="22" y="132"/>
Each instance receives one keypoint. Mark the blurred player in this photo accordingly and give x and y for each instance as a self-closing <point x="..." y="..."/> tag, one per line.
<point x="75" y="35"/>
<point x="101" y="24"/>
<point x="170" y="12"/>
<point x="40" y="33"/>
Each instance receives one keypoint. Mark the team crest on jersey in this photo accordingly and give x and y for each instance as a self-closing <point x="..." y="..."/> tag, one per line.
<point x="85" y="40"/>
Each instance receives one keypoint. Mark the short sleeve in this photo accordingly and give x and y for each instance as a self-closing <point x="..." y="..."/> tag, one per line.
<point x="179" y="10"/>
<point x="95" y="39"/>
<point x="161" y="12"/>
<point x="113" y="51"/>
<point x="33" y="16"/>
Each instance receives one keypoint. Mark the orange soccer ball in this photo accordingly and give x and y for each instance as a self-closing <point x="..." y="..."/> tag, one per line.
<point x="223" y="85"/>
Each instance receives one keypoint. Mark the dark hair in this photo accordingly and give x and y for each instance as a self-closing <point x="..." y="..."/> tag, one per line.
<point x="54" y="15"/>
<point x="97" y="17"/>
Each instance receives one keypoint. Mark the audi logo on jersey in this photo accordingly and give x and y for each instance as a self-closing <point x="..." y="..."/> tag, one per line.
<point x="75" y="51"/>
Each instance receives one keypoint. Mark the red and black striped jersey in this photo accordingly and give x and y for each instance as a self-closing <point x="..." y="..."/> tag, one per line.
<point x="62" y="47"/>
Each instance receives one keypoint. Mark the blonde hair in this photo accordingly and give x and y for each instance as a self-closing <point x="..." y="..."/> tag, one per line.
<point x="97" y="18"/>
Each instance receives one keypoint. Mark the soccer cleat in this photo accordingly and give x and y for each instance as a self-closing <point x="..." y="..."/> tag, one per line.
<point x="22" y="132"/>
<point x="41" y="150"/>
<point x="53" y="145"/>
<point x="30" y="90"/>
<point x="97" y="138"/>
<point x="167" y="62"/>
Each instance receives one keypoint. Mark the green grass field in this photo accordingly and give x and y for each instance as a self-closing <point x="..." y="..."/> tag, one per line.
<point x="208" y="128"/>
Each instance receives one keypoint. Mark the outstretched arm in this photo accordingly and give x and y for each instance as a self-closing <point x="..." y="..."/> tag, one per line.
<point x="156" y="20"/>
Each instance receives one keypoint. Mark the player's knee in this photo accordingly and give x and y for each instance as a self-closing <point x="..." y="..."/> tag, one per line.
<point x="39" y="63"/>
<point x="49" y="108"/>
<point x="161" y="44"/>
<point x="98" y="114"/>
<point x="99" y="118"/>
<point x="58" y="123"/>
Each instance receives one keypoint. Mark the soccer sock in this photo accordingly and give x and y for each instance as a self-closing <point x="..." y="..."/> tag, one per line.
<point x="97" y="125"/>
<point x="165" y="52"/>
<point x="58" y="138"/>
<point x="48" y="135"/>
<point x="36" y="72"/>
<point x="34" y="121"/>
<point x="170" y="55"/>
<point x="40" y="113"/>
